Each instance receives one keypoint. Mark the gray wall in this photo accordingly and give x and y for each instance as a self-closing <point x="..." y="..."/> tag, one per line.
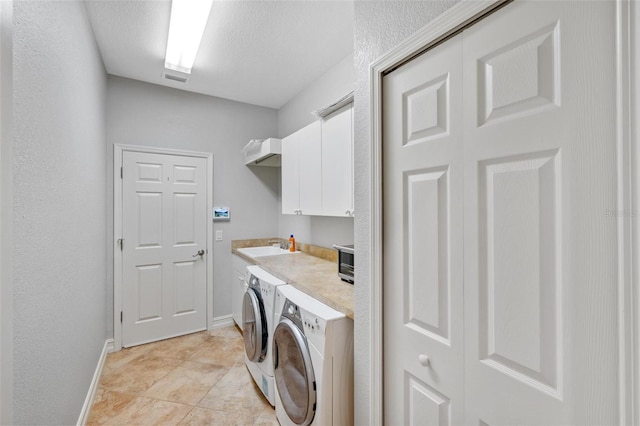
<point x="331" y="86"/>
<point x="150" y="115"/>
<point x="59" y="220"/>
<point x="379" y="26"/>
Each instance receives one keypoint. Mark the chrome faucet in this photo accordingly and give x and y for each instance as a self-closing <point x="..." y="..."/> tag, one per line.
<point x="284" y="245"/>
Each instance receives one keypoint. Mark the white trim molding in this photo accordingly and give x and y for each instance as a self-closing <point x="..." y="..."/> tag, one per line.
<point x="443" y="27"/>
<point x="222" y="321"/>
<point x="6" y="212"/>
<point x="631" y="16"/>
<point x="95" y="383"/>
<point x="118" y="150"/>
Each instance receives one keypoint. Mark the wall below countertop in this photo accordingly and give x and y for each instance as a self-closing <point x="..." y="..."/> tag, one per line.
<point x="149" y="115"/>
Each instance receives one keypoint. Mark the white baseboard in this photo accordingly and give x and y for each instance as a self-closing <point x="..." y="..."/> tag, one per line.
<point x="223" y="321"/>
<point x="93" y="388"/>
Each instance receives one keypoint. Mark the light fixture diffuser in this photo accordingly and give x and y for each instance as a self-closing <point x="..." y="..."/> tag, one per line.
<point x="188" y="20"/>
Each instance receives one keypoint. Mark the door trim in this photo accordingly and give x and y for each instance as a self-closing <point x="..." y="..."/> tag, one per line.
<point x="6" y="212"/>
<point x="118" y="150"/>
<point x="446" y="25"/>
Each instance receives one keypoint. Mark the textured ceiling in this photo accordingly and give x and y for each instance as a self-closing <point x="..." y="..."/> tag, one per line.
<point x="258" y="52"/>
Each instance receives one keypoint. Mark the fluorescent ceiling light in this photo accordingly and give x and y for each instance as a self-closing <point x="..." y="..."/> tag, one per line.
<point x="188" y="19"/>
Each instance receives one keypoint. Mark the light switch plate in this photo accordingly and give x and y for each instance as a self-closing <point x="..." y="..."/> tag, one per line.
<point x="219" y="235"/>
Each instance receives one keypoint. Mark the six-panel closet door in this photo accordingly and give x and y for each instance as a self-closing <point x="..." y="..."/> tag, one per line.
<point x="499" y="274"/>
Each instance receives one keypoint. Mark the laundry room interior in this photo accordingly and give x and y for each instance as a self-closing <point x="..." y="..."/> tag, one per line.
<point x="319" y="212"/>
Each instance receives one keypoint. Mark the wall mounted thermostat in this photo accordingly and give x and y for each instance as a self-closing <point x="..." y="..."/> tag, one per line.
<point x="221" y="213"/>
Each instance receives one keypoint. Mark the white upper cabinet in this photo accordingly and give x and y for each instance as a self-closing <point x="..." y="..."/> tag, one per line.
<point x="301" y="171"/>
<point x="337" y="163"/>
<point x="317" y="167"/>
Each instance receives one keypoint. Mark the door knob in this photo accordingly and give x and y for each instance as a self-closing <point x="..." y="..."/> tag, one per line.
<point x="199" y="253"/>
<point x="424" y="360"/>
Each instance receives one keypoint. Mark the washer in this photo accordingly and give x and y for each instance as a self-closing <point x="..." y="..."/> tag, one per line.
<point x="313" y="362"/>
<point x="257" y="326"/>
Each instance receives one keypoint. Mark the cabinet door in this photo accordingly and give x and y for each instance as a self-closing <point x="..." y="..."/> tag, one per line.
<point x="238" y="286"/>
<point x="310" y="169"/>
<point x="337" y="163"/>
<point x="237" y="293"/>
<point x="289" y="174"/>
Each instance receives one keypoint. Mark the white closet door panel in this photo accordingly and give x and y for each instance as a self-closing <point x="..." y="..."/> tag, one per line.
<point x="540" y="253"/>
<point x="423" y="188"/>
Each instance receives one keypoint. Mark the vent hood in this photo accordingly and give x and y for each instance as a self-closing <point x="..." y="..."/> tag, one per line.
<point x="262" y="152"/>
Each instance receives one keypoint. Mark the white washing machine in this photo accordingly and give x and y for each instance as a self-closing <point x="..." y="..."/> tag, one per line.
<point x="313" y="362"/>
<point x="257" y="326"/>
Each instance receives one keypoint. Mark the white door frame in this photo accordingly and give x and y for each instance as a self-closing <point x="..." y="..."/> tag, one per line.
<point x="118" y="150"/>
<point x="6" y="212"/>
<point x="444" y="26"/>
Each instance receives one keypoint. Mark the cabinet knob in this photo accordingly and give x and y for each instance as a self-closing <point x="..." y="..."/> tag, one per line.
<point x="424" y="360"/>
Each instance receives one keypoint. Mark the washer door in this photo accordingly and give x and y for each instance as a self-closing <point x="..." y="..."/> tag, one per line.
<point x="293" y="372"/>
<point x="254" y="326"/>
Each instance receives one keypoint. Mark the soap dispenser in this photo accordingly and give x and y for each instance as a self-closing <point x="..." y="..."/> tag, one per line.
<point x="292" y="243"/>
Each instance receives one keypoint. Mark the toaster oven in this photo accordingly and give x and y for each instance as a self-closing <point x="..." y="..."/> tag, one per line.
<point x="345" y="262"/>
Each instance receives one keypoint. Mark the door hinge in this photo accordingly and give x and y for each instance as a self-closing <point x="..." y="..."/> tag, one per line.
<point x="121" y="243"/>
<point x="120" y="317"/>
<point x="121" y="172"/>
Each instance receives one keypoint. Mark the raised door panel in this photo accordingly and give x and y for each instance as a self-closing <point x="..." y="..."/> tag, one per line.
<point x="290" y="174"/>
<point x="149" y="217"/>
<point x="337" y="163"/>
<point x="185" y="289"/>
<point x="310" y="169"/>
<point x="540" y="257"/>
<point x="425" y="405"/>
<point x="148" y="286"/>
<point x="423" y="187"/>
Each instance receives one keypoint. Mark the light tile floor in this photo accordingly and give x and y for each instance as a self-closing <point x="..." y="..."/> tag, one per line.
<point x="198" y="379"/>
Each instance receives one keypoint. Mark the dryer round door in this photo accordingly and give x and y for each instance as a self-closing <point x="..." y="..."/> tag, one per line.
<point x="254" y="326"/>
<point x="293" y="372"/>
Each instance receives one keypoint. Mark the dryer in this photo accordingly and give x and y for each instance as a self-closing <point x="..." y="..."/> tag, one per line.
<point x="313" y="361"/>
<point x="257" y="327"/>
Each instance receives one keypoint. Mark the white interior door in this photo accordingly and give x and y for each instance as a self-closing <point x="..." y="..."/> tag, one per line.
<point x="164" y="222"/>
<point x="423" y="193"/>
<point x="540" y="251"/>
<point x="499" y="161"/>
